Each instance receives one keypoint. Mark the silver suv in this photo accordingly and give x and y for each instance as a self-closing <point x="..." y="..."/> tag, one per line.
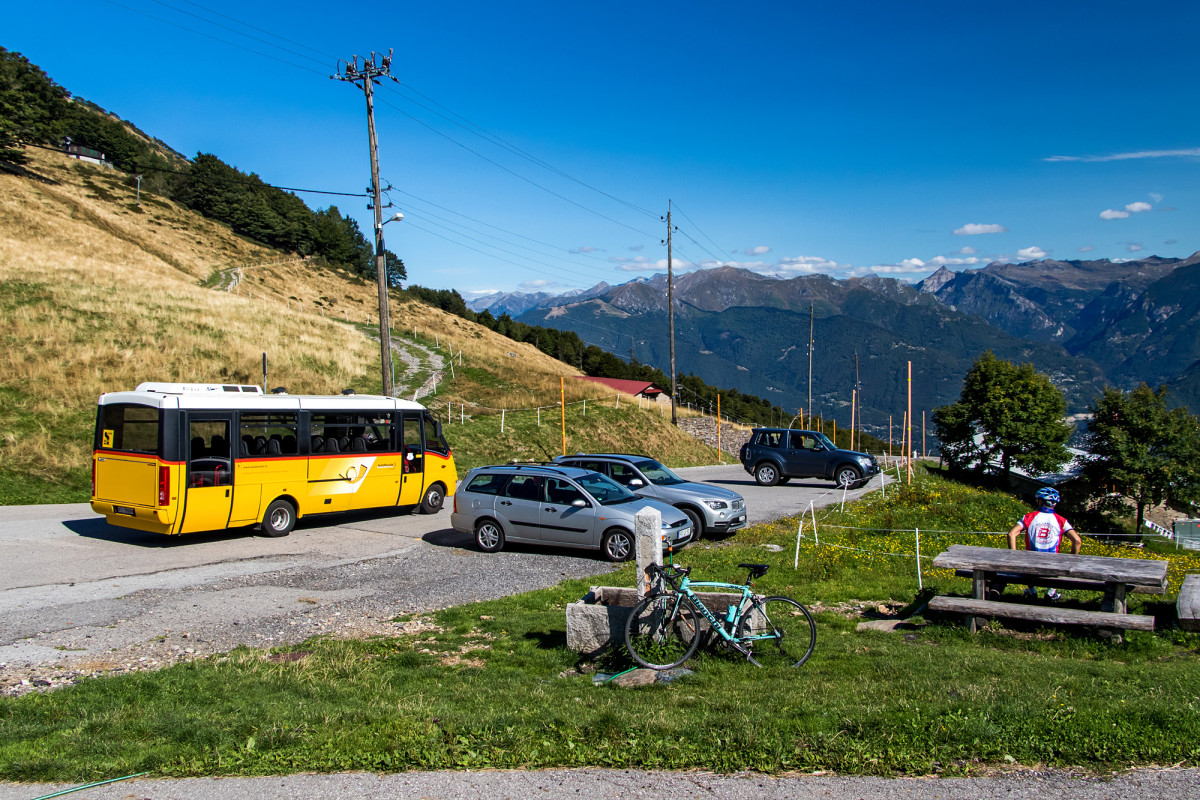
<point x="556" y="505"/>
<point x="712" y="509"/>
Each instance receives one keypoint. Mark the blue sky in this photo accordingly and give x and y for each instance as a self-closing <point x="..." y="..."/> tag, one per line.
<point x="534" y="145"/>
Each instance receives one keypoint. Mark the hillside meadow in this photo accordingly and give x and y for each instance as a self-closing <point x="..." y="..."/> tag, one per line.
<point x="99" y="294"/>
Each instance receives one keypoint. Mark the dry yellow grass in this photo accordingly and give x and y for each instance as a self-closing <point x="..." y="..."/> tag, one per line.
<point x="97" y="296"/>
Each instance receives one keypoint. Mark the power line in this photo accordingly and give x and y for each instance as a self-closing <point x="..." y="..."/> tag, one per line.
<point x="515" y="174"/>
<point x="719" y="259"/>
<point x="214" y="38"/>
<point x="237" y="32"/>
<point x="487" y="135"/>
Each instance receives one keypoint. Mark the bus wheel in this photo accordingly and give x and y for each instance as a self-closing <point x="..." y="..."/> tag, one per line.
<point x="279" y="519"/>
<point x="431" y="503"/>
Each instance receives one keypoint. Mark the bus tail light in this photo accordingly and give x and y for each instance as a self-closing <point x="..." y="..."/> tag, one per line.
<point x="164" y="485"/>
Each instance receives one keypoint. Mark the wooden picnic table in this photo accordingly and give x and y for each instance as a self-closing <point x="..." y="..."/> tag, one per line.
<point x="990" y="566"/>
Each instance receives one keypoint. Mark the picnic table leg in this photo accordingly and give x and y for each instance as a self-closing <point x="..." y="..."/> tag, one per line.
<point x="1114" y="599"/>
<point x="979" y="581"/>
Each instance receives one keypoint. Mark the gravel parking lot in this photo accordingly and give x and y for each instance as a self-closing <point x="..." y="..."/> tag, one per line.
<point x="79" y="597"/>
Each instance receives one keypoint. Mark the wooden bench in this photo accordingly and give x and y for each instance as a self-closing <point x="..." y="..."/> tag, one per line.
<point x="1054" y="615"/>
<point x="1188" y="604"/>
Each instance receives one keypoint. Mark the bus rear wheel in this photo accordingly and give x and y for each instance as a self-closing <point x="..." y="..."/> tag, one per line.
<point x="279" y="519"/>
<point x="434" y="497"/>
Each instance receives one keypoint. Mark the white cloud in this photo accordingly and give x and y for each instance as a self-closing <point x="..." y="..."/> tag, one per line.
<point x="947" y="261"/>
<point x="1109" y="213"/>
<point x="587" y="248"/>
<point x="757" y="250"/>
<point x="1156" y="197"/>
<point x="976" y="228"/>
<point x="1188" y="153"/>
<point x="1031" y="253"/>
<point x="967" y="251"/>
<point x="1139" y="206"/>
<point x="1134" y="247"/>
<point x="479" y="292"/>
<point x="1087" y="248"/>
<point x="807" y="264"/>
<point x="540" y="283"/>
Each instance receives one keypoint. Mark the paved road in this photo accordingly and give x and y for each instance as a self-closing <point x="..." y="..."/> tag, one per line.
<point x="1170" y="784"/>
<point x="78" y="594"/>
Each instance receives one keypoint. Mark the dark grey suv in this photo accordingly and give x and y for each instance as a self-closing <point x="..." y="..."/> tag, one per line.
<point x="774" y="455"/>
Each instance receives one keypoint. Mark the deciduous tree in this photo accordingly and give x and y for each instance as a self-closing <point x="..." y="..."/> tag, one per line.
<point x="1142" y="452"/>
<point x="1005" y="414"/>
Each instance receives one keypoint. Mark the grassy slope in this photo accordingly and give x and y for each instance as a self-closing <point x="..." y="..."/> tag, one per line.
<point x="480" y="685"/>
<point x="98" y="295"/>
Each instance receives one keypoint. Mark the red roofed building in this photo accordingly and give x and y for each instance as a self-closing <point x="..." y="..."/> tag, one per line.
<point x="635" y="388"/>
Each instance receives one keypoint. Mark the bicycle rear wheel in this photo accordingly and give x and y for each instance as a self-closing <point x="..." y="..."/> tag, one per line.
<point x="663" y="631"/>
<point x="778" y="631"/>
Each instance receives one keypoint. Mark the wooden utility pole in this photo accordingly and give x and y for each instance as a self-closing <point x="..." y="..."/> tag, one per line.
<point x="858" y="394"/>
<point x="671" y="311"/>
<point x="810" y="354"/>
<point x="364" y="77"/>
<point x="908" y="453"/>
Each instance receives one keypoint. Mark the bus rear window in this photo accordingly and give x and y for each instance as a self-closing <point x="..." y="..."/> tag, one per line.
<point x="128" y="427"/>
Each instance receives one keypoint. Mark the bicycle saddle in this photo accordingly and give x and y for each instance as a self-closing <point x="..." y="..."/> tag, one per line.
<point x="756" y="570"/>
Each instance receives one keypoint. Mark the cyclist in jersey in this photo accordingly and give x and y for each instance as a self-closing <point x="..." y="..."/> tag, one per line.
<point x="1044" y="531"/>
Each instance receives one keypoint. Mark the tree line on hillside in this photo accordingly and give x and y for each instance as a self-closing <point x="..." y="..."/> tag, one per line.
<point x="36" y="111"/>
<point x="1139" y="451"/>
<point x="593" y="361"/>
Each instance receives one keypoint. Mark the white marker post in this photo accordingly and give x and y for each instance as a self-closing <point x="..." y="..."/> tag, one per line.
<point x="648" y="541"/>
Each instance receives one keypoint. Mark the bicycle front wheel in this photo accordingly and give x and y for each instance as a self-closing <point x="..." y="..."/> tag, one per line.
<point x="663" y="631"/>
<point x="778" y="631"/>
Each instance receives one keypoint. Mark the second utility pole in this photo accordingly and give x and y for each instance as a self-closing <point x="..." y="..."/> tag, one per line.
<point x="671" y="314"/>
<point x="367" y="74"/>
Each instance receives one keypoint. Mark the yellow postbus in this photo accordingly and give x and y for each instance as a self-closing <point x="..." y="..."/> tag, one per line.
<point x="188" y="457"/>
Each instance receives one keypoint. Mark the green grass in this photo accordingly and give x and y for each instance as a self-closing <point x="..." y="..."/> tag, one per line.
<point x="933" y="700"/>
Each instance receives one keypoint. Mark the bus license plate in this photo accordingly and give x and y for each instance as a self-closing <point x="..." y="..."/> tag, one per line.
<point x="126" y="510"/>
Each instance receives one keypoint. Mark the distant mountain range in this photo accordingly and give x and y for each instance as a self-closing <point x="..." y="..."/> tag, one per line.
<point x="1085" y="323"/>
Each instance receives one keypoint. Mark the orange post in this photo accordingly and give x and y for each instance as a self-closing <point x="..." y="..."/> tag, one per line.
<point x="909" y="451"/>
<point x="562" y="405"/>
<point x="720" y="452"/>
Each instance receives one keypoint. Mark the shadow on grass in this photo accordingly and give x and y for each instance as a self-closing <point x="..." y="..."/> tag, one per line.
<point x="548" y="640"/>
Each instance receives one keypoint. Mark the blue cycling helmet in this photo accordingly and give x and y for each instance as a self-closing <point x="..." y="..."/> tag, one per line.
<point x="1048" y="495"/>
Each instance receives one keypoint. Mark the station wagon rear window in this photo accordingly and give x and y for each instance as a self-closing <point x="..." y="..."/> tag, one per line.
<point x="487" y="483"/>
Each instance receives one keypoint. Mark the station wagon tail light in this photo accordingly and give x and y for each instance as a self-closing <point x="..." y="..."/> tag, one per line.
<point x="164" y="484"/>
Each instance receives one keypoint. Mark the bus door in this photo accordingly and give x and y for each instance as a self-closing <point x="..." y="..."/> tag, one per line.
<point x="209" y="478"/>
<point x="412" y="446"/>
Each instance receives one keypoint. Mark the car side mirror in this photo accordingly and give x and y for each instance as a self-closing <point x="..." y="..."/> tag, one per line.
<point x="636" y="483"/>
<point x="817" y="448"/>
<point x="579" y="502"/>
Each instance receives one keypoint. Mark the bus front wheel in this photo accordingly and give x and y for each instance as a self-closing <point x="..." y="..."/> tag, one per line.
<point x="279" y="519"/>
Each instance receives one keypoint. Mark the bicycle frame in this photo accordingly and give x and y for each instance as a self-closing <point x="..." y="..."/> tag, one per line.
<point x="685" y="590"/>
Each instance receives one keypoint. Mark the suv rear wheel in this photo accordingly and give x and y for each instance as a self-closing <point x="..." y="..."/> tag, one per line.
<point x="767" y="474"/>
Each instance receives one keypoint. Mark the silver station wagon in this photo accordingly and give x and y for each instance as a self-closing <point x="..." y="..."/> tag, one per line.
<point x="559" y="506"/>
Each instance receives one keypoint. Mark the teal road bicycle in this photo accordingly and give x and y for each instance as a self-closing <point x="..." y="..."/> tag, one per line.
<point x="667" y="627"/>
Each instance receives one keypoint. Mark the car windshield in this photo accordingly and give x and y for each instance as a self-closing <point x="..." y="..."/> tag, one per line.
<point x="658" y="474"/>
<point x="606" y="491"/>
<point x="823" y="439"/>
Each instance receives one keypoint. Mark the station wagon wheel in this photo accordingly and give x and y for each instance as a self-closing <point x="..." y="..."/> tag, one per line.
<point x="697" y="524"/>
<point x="766" y="474"/>
<point x="847" y="476"/>
<point x="434" y="497"/>
<point x="489" y="535"/>
<point x="617" y="545"/>
<point x="279" y="519"/>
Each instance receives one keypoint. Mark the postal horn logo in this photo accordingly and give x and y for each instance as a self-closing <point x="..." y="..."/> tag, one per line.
<point x="355" y="473"/>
